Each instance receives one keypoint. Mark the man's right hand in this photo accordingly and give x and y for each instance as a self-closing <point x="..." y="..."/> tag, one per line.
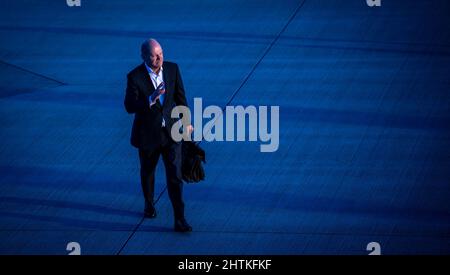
<point x="155" y="95"/>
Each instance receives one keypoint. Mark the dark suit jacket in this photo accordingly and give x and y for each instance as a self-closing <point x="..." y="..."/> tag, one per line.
<point x="146" y="131"/>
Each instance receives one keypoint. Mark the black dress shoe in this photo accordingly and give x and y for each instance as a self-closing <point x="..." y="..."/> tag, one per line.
<point x="182" y="226"/>
<point x="150" y="212"/>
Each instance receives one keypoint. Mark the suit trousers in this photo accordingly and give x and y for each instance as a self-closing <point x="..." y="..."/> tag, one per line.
<point x="171" y="153"/>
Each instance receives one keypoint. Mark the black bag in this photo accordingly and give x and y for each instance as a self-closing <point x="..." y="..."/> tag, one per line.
<point x="192" y="167"/>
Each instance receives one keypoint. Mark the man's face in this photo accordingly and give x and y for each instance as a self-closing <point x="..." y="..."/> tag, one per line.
<point x="155" y="58"/>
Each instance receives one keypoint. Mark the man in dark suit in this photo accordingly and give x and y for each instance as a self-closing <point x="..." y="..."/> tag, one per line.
<point x="154" y="88"/>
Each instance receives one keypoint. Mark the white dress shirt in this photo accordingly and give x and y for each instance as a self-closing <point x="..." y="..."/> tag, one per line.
<point x="157" y="78"/>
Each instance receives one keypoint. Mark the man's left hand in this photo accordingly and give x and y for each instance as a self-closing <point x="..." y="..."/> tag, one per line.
<point x="189" y="129"/>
